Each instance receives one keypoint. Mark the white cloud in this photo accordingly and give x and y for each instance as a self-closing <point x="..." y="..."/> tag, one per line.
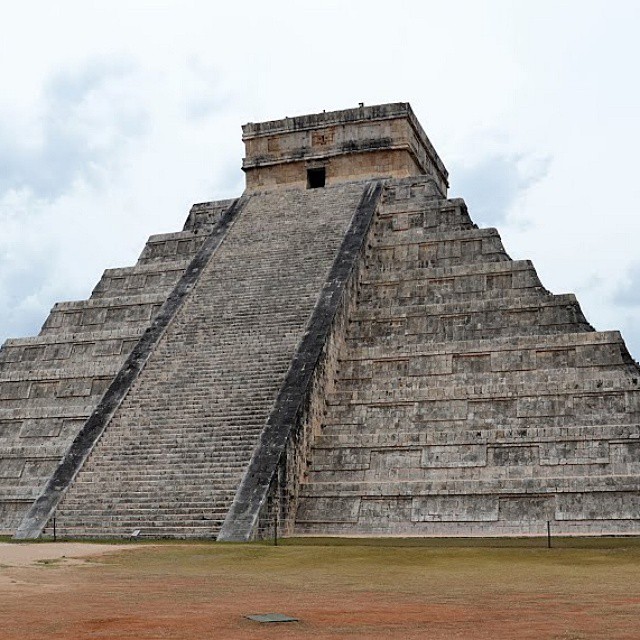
<point x="115" y="117"/>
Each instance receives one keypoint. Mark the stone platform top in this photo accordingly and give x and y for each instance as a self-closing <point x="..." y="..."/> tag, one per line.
<point x="339" y="146"/>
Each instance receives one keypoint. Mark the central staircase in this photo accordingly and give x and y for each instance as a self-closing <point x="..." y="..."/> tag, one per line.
<point x="172" y="457"/>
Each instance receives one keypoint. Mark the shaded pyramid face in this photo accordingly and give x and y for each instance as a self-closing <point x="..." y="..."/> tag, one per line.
<point x="341" y="347"/>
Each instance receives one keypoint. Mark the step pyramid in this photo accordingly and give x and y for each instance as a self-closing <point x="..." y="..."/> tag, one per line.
<point x="339" y="351"/>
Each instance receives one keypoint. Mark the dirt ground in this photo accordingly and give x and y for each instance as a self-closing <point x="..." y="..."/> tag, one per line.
<point x="338" y="589"/>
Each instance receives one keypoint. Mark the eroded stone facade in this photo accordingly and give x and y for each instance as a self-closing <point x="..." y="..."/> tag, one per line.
<point x="355" y="144"/>
<point x="341" y="347"/>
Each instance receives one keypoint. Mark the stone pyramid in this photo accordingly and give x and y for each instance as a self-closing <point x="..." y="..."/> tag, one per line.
<point x="340" y="350"/>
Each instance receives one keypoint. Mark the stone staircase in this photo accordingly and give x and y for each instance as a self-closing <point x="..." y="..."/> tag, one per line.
<point x="50" y="383"/>
<point x="172" y="456"/>
<point x="469" y="400"/>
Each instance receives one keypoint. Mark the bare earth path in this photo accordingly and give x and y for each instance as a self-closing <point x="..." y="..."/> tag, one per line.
<point x="338" y="589"/>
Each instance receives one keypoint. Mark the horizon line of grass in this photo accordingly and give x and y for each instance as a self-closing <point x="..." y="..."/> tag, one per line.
<point x="529" y="542"/>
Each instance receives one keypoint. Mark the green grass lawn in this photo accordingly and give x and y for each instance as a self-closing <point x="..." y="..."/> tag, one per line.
<point x="339" y="588"/>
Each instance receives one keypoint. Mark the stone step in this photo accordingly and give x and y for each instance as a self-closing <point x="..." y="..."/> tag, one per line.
<point x="462" y="376"/>
<point x="149" y="522"/>
<point x="18" y="496"/>
<point x="148" y="530"/>
<point x="377" y="522"/>
<point x="177" y="451"/>
<point x="66" y="358"/>
<point x="174" y="449"/>
<point x="387" y="232"/>
<point x="582" y="343"/>
<point x="182" y="467"/>
<point x="524" y="485"/>
<point x="581" y="360"/>
<point x="49" y="351"/>
<point x="71" y="411"/>
<point x="505" y="274"/>
<point x="479" y="413"/>
<point x="513" y="430"/>
<point x="604" y="392"/>
<point x="81" y="399"/>
<point x="526" y="300"/>
<point x="203" y="216"/>
<point x="171" y="246"/>
<point x="217" y="371"/>
<point x="380" y="239"/>
<point x="103" y="313"/>
<point x="184" y="502"/>
<point x="207" y="445"/>
<point x="552" y="315"/>
<point x="419" y="211"/>
<point x="476" y="371"/>
<point x="431" y="250"/>
<point x="478" y="463"/>
<point x="155" y="276"/>
<point x="102" y="368"/>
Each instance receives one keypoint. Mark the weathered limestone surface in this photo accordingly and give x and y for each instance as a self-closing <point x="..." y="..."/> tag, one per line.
<point x="353" y="144"/>
<point x="50" y="384"/>
<point x="355" y="363"/>
<point x="468" y="399"/>
<point x="170" y="460"/>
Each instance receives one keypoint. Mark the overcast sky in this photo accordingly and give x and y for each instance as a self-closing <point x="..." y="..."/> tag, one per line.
<point x="116" y="116"/>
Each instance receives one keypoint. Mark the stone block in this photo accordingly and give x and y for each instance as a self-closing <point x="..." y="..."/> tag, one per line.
<point x="14" y="390"/>
<point x="386" y="462"/>
<point x="555" y="358"/>
<point x="388" y="513"/>
<point x="351" y="458"/>
<point x="514" y="360"/>
<point x="574" y="452"/>
<point x="625" y="452"/>
<point x="526" y="509"/>
<point x="42" y="428"/>
<point x="460" y="508"/>
<point x="11" y="468"/>
<point x="452" y="456"/>
<point x="605" y="505"/>
<point x="551" y="405"/>
<point x="332" y="509"/>
<point x="599" y="404"/>
<point x="74" y="387"/>
<point x="493" y="410"/>
<point x="471" y="363"/>
<point x="507" y="455"/>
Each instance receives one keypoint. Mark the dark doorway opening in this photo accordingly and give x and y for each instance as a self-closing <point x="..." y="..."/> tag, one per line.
<point x="316" y="178"/>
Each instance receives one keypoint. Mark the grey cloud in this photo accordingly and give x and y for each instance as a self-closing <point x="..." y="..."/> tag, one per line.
<point x="20" y="315"/>
<point x="22" y="322"/>
<point x="200" y="107"/>
<point x="493" y="185"/>
<point x="229" y="179"/>
<point x="65" y="152"/>
<point x="628" y="294"/>
<point x="71" y="87"/>
<point x="206" y="96"/>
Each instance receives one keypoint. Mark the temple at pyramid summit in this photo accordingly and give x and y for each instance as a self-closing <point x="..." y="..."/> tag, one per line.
<point x="338" y="351"/>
